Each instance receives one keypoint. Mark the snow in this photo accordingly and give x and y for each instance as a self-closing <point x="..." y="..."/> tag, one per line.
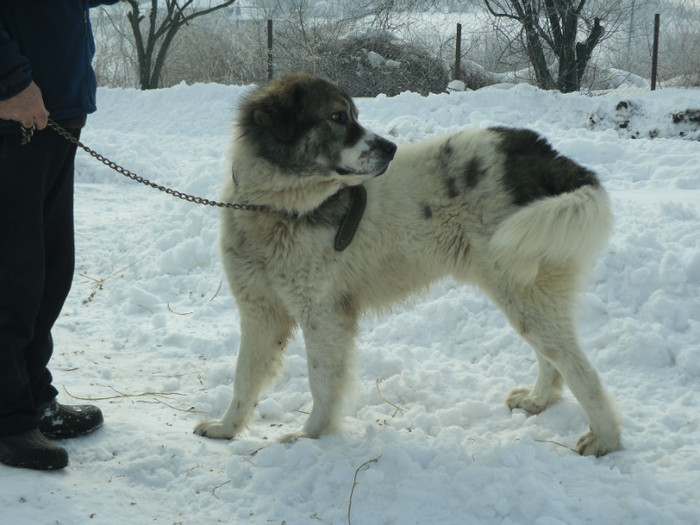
<point x="150" y="334"/>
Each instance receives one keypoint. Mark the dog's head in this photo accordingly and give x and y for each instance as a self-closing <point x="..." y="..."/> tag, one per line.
<point x="308" y="124"/>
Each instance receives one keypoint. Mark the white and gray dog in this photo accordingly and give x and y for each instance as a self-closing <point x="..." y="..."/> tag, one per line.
<point x="495" y="207"/>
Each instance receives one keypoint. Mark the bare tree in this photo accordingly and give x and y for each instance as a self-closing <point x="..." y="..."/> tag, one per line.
<point x="551" y="27"/>
<point x="153" y="39"/>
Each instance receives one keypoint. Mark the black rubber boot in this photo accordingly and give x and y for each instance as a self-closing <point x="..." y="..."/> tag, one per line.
<point x="32" y="450"/>
<point x="62" y="422"/>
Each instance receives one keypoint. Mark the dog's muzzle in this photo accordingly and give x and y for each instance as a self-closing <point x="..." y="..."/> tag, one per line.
<point x="374" y="160"/>
<point x="388" y="150"/>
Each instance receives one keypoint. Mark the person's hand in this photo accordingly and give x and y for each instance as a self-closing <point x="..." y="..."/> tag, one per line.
<point x="27" y="108"/>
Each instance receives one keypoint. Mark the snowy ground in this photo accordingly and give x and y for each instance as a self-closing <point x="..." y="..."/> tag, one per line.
<point x="150" y="334"/>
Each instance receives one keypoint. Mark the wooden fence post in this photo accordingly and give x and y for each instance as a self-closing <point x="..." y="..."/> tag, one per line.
<point x="655" y="52"/>
<point x="458" y="54"/>
<point x="269" y="49"/>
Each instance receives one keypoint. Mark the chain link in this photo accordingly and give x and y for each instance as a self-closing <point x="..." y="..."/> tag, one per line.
<point x="137" y="178"/>
<point x="27" y="134"/>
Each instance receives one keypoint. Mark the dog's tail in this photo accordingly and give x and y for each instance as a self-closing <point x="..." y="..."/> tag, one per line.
<point x="566" y="229"/>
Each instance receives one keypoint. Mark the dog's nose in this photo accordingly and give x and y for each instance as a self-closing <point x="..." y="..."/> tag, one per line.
<point x="387" y="147"/>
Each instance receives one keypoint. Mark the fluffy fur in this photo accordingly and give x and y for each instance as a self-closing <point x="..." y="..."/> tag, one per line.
<point x="495" y="207"/>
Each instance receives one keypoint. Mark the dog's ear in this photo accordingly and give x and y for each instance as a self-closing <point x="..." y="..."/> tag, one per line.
<point x="283" y="114"/>
<point x="280" y="123"/>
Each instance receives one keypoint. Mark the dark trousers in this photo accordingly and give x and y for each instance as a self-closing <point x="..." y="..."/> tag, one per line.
<point x="37" y="258"/>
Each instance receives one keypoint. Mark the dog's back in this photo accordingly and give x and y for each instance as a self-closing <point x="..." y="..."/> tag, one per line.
<point x="499" y="197"/>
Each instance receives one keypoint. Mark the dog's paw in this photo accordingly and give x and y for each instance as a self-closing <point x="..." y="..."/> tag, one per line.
<point x="293" y="437"/>
<point x="214" y="428"/>
<point x="523" y="398"/>
<point x="593" y="444"/>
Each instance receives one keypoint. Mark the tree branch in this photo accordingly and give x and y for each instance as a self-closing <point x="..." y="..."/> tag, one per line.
<point x="497" y="14"/>
<point x="152" y="51"/>
<point x="554" y="24"/>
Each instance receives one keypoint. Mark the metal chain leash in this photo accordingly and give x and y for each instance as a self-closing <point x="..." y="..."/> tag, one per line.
<point x="27" y="135"/>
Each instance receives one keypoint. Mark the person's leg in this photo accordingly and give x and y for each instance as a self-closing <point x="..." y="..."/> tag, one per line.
<point x="36" y="268"/>
<point x="59" y="251"/>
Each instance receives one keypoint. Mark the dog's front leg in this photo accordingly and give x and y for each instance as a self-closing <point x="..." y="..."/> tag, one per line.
<point x="265" y="329"/>
<point x="329" y="333"/>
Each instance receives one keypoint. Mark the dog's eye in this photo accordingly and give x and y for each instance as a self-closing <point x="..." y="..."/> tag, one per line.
<point x="340" y="117"/>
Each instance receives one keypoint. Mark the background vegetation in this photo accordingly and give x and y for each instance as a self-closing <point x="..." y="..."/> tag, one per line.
<point x="390" y="46"/>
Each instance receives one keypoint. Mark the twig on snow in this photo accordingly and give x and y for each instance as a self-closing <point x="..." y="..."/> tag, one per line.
<point x="364" y="466"/>
<point x="97" y="283"/>
<point x="218" y="487"/>
<point x="122" y="395"/>
<point x="397" y="407"/>
<point x="555" y="443"/>
<point x="190" y="410"/>
<point x="170" y="308"/>
<point x="217" y="291"/>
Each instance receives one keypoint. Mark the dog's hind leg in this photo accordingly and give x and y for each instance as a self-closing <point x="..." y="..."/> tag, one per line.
<point x="565" y="353"/>
<point x="545" y="392"/>
<point x="329" y="334"/>
<point x="265" y="329"/>
<point x="543" y="314"/>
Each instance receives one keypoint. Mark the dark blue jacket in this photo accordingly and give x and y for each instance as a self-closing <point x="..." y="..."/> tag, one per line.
<point x="50" y="42"/>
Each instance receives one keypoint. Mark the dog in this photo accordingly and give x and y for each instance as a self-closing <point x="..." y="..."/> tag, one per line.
<point x="344" y="222"/>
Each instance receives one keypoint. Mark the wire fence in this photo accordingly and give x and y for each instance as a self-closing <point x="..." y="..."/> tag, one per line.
<point x="423" y="54"/>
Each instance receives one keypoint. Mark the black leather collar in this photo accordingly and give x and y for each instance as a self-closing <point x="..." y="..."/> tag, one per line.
<point x="348" y="224"/>
<point x="351" y="220"/>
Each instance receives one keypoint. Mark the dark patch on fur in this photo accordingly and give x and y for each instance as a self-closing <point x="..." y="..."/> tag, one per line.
<point x="443" y="156"/>
<point x="427" y="212"/>
<point x="457" y="183"/>
<point x="451" y="185"/>
<point x="534" y="170"/>
<point x="473" y="173"/>
<point x="445" y="152"/>
<point x="354" y="134"/>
